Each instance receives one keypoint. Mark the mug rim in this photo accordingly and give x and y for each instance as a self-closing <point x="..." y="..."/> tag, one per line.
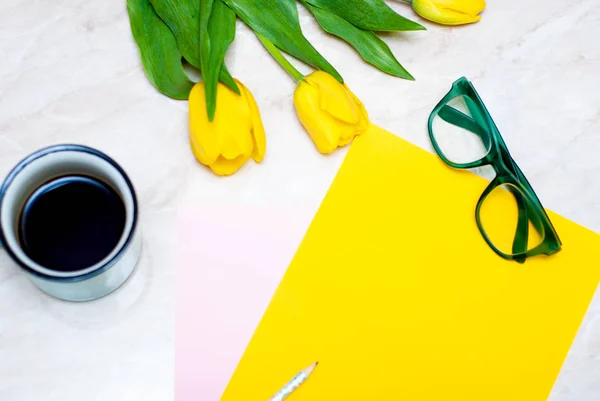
<point x="69" y="148"/>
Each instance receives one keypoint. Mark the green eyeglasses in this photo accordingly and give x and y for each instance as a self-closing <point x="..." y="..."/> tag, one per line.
<point x="464" y="136"/>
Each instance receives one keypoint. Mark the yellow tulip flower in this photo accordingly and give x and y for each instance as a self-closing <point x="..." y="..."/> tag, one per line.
<point x="450" y="12"/>
<point x="329" y="111"/>
<point x="234" y="136"/>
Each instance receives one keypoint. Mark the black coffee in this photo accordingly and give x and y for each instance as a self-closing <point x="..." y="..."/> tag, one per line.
<point x="71" y="223"/>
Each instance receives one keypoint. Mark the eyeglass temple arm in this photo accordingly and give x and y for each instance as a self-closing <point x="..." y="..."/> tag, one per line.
<point x="523" y="180"/>
<point x="520" y="242"/>
<point x="460" y="119"/>
<point x="481" y="116"/>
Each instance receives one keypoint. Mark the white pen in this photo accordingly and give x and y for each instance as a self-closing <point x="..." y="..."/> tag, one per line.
<point x="294" y="383"/>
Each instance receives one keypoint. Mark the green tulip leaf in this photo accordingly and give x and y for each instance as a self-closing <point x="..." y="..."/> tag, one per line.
<point x="221" y="30"/>
<point x="161" y="58"/>
<point x="217" y="31"/>
<point x="372" y="49"/>
<point x="277" y="20"/>
<point x="227" y="79"/>
<point x="290" y="8"/>
<point x="372" y="15"/>
<point x="182" y="17"/>
<point x="208" y="60"/>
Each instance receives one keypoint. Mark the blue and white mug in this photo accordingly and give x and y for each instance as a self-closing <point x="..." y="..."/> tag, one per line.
<point x="56" y="161"/>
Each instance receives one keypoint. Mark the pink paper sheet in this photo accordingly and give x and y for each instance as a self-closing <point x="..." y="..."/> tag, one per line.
<point x="230" y="263"/>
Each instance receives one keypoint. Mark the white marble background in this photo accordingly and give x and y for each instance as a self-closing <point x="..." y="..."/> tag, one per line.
<point x="70" y="72"/>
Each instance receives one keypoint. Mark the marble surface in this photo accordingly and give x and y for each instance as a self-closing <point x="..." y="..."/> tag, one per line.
<point x="70" y="72"/>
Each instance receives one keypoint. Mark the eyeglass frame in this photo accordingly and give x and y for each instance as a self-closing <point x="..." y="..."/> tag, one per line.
<point x="507" y="172"/>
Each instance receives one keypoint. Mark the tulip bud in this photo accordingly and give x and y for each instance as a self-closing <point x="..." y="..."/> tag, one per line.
<point x="234" y="135"/>
<point x="329" y="111"/>
<point x="450" y="12"/>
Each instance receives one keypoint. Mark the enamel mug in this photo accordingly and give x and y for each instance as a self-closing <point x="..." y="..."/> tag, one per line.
<point x="47" y="164"/>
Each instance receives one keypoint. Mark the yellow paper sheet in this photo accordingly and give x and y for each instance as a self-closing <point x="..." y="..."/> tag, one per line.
<point x="395" y="293"/>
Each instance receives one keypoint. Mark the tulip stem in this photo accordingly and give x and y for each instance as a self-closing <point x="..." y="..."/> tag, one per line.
<point x="279" y="57"/>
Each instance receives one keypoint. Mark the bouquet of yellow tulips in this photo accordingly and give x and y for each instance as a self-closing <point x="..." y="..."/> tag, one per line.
<point x="200" y="32"/>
